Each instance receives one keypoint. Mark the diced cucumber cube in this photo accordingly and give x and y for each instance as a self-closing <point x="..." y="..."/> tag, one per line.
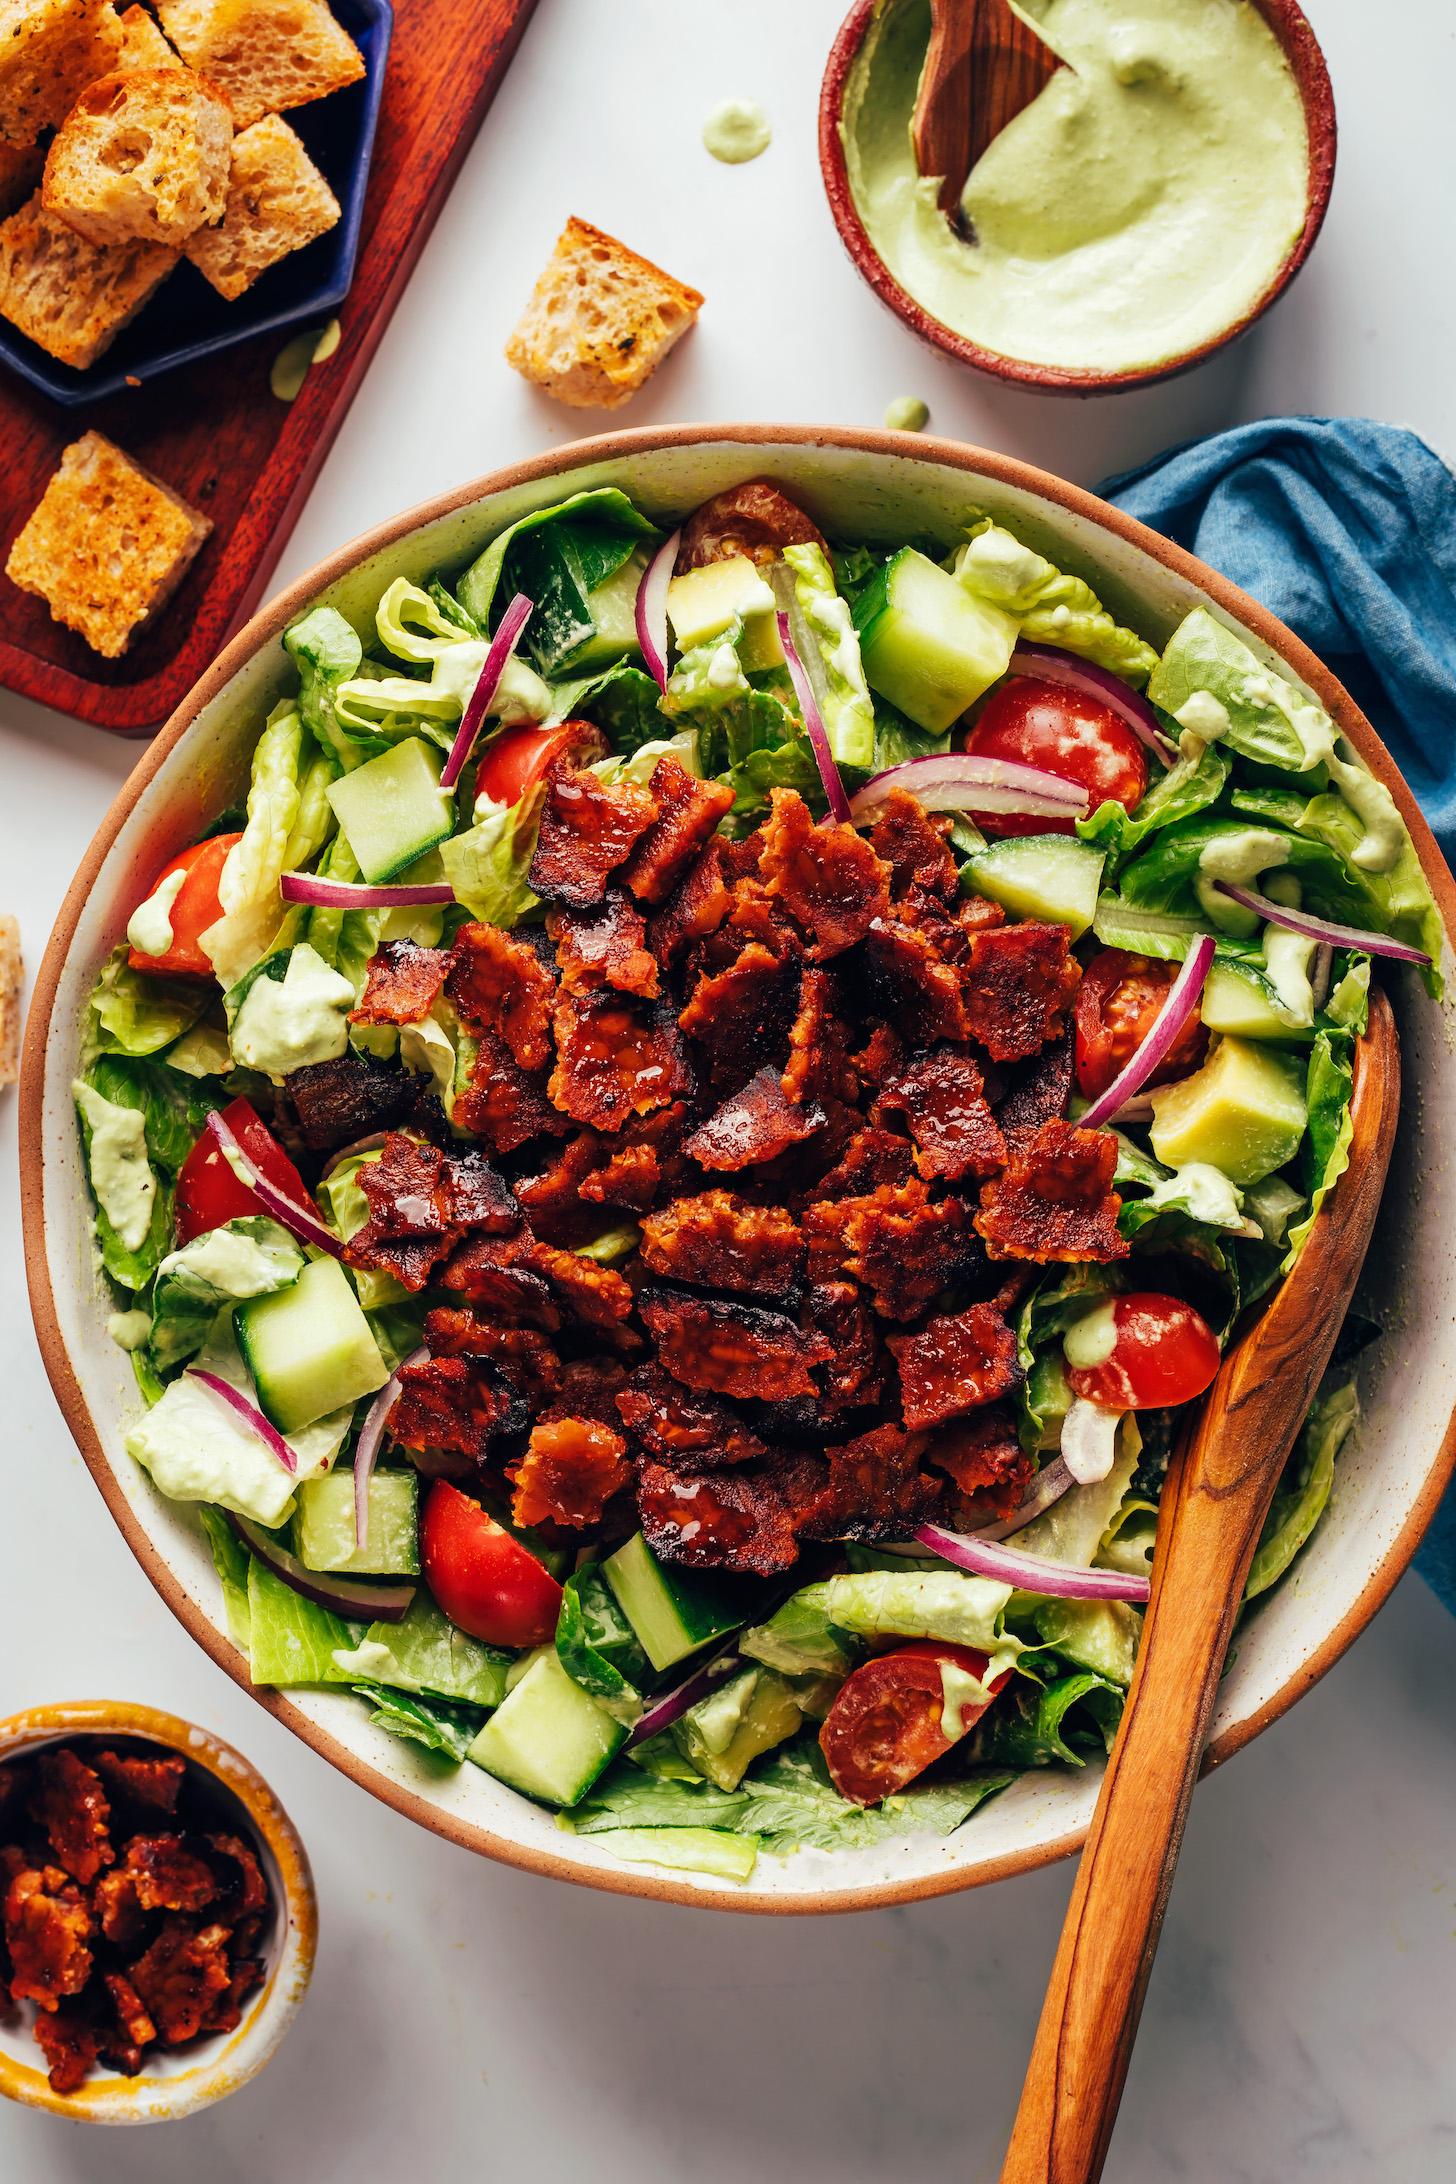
<point x="672" y="1615"/>
<point x="309" y="1348"/>
<point x="1052" y="876"/>
<point x="547" y="1738"/>
<point x="392" y="808"/>
<point x="324" y="1525"/>
<point x="928" y="645"/>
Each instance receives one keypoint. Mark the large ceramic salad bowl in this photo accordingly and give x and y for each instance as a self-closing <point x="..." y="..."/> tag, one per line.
<point x="862" y="485"/>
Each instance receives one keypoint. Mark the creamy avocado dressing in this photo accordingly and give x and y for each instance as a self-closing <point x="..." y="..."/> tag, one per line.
<point x="737" y="130"/>
<point x="149" y="929"/>
<point x="287" y="1023"/>
<point x="907" y="413"/>
<point x="116" y="1156"/>
<point x="1138" y="207"/>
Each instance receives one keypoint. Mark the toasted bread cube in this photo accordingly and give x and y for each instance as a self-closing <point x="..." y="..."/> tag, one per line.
<point x="107" y="546"/>
<point x="142" y="43"/>
<point x="263" y="55"/>
<point x="9" y="1000"/>
<point x="69" y="296"/>
<point x="20" y="170"/>
<point x="49" y="51"/>
<point x="143" y="156"/>
<point x="277" y="201"/>
<point x="600" y="320"/>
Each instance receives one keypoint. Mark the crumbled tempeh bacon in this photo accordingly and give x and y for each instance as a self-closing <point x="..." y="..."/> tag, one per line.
<point x="403" y="983"/>
<point x="149" y="1785"/>
<point x="522" y="1353"/>
<point x="957" y="1362"/>
<point x="755" y="1125"/>
<point x="1055" y="1199"/>
<point x="717" y="1241"/>
<point x="605" y="946"/>
<point x="904" y="1246"/>
<point x="875" y="1489"/>
<point x="74" y="1810"/>
<point x="169" y="1876"/>
<point x="48" y="1931"/>
<point x="594" y="1295"/>
<point x="696" y="909"/>
<point x="411" y="1223"/>
<point x="725" y="1520"/>
<point x="827" y="877"/>
<point x="688" y="811"/>
<point x="337" y="1102"/>
<point x="1019" y="983"/>
<point x="570" y="1471"/>
<point x="872" y="1157"/>
<point x="942" y="1097"/>
<point x="692" y="1432"/>
<point x="587" y="830"/>
<point x="615" y="1058"/>
<point x="484" y="1269"/>
<point x="498" y="983"/>
<point x="818" y="1067"/>
<point x="985" y="1463"/>
<point x="455" y="1403"/>
<point x="181" y="1976"/>
<point x="1041" y="1089"/>
<point x="854" y="1372"/>
<point x="501" y="1103"/>
<point x="742" y="1012"/>
<point x="918" y="991"/>
<point x="913" y="844"/>
<point x="730" y="1348"/>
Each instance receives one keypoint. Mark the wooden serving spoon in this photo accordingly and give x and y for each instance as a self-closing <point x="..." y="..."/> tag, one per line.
<point x="1214" y="1504"/>
<point x="982" y="66"/>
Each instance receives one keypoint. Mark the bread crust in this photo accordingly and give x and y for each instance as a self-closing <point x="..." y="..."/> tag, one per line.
<point x="143" y="156"/>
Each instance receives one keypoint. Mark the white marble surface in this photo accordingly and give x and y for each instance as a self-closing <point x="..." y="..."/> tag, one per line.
<point x="466" y="2019"/>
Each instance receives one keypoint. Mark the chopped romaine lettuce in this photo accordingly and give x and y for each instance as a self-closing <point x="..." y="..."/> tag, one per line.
<point x="251" y="1257"/>
<point x="135" y="1015"/>
<point x="437" y="1724"/>
<point x="327" y="653"/>
<point x="248" y="885"/>
<point x="597" y="1646"/>
<point x="488" y="865"/>
<point x="230" y="1559"/>
<point x="426" y="1653"/>
<point x="1052" y="607"/>
<point x="1326" y="1151"/>
<point x="603" y="509"/>
<point x="948" y="1604"/>
<point x="685" y="1850"/>
<point x="1221" y="692"/>
<point x="292" y="1640"/>
<point x="1300" y="1501"/>
<point x="828" y="645"/>
<point x="1060" y="1722"/>
<point x="800" y="1640"/>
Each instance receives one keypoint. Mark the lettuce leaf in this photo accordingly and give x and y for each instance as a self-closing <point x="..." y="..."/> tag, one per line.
<point x="292" y="1640"/>
<point x="135" y="1015"/>
<point x="327" y="652"/>
<point x="1221" y="692"/>
<point x="435" y="1723"/>
<point x="427" y="1655"/>
<point x="628" y="1797"/>
<point x="1058" y="1723"/>
<point x="1305" y="1489"/>
<point x="1326" y="1151"/>
<point x="603" y="509"/>
<point x="1188" y="787"/>
<point x="488" y="865"/>
<point x="948" y="1604"/>
<point x="828" y="645"/>
<point x="793" y="1805"/>
<point x="598" y="1648"/>
<point x="685" y="1850"/>
<point x="1052" y="607"/>
<point x="248" y="887"/>
<point x="252" y="1257"/>
<point x="230" y="1559"/>
<point x="344" y="939"/>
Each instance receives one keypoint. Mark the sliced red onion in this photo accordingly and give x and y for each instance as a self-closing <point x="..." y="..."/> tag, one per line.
<point x="839" y="804"/>
<point x="502" y="645"/>
<point x="1321" y="929"/>
<point x="357" y="1599"/>
<point x="370" y="1441"/>
<point x="964" y="781"/>
<point x="1321" y="971"/>
<point x="1049" y="663"/>
<point x="352" y="895"/>
<point x="651" y="610"/>
<point x="300" y="1221"/>
<point x="250" y="1414"/>
<point x="370" y="1144"/>
<point x="1029" y="1573"/>
<point x="1049" y="1485"/>
<point x="1180" y="1004"/>
<point x="677" y="1701"/>
<point x="1089" y="1440"/>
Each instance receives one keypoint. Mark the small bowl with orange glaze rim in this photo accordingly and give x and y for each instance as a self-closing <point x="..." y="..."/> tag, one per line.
<point x="178" y="2082"/>
<point x="1306" y="62"/>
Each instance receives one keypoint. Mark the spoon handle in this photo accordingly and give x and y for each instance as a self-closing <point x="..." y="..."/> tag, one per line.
<point x="1214" y="1504"/>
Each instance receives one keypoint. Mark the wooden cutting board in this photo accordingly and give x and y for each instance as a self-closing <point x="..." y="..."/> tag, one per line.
<point x="215" y="430"/>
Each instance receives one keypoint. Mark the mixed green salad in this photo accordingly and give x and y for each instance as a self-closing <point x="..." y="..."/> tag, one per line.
<point x="669" y="1171"/>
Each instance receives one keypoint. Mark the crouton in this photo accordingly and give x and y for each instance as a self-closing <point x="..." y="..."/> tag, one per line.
<point x="67" y="295"/>
<point x="49" y="51"/>
<point x="142" y="44"/>
<point x="20" y="170"/>
<point x="9" y="1000"/>
<point x="263" y="55"/>
<point x="141" y="157"/>
<point x="107" y="546"/>
<point x="600" y="320"/>
<point x="277" y="201"/>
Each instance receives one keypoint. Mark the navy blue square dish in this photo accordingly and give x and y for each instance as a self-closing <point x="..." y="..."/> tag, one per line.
<point x="187" y="318"/>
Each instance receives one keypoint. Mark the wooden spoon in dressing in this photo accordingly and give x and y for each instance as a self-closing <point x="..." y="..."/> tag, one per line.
<point x="1213" y="1509"/>
<point x="982" y="66"/>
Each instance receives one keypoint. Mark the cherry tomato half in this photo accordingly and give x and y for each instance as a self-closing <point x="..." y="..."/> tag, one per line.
<point x="487" y="1583"/>
<point x="517" y="760"/>
<point x="210" y="1192"/>
<point x="195" y="908"/>
<point x="887" y="1722"/>
<point x="1163" y="1352"/>
<point x="1045" y="724"/>
<point x="1118" y="998"/>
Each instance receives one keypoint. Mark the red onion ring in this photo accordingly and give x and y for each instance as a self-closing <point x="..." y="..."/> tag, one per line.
<point x="357" y="1599"/>
<point x="1049" y="1485"/>
<point x="250" y="1414"/>
<point x="1182" y="1000"/>
<point x="650" y="613"/>
<point x="677" y="1701"/>
<point x="1049" y="663"/>
<point x="368" y="1144"/>
<point x="300" y="1221"/>
<point x="839" y="804"/>
<point x="1324" y="930"/>
<point x="1089" y="1439"/>
<point x="370" y="1441"/>
<point x="1028" y="1573"/>
<point x="502" y="645"/>
<point x="964" y="781"/>
<point x="353" y="895"/>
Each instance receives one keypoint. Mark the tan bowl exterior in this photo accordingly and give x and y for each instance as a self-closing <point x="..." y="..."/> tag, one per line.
<point x="215" y="2067"/>
<point x="850" y="480"/>
<point x="1290" y="26"/>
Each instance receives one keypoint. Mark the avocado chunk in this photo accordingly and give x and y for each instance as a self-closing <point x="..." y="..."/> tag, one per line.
<point x="1244" y="1112"/>
<point x="703" y="603"/>
<point x="732" y="1726"/>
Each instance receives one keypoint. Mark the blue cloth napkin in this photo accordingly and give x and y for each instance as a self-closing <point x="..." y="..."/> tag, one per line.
<point x="1345" y="529"/>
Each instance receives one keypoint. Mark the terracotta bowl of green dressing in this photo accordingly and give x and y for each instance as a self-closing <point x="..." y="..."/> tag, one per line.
<point x="1054" y="308"/>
